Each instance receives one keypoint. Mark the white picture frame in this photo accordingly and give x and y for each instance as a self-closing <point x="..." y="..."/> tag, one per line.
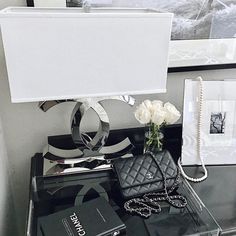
<point x="219" y="52"/>
<point x="216" y="147"/>
<point x="202" y="52"/>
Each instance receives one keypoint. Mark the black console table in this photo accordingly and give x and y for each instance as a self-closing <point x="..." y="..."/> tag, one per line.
<point x="54" y="193"/>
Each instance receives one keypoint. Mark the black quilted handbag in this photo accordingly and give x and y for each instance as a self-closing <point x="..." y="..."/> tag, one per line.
<point x="150" y="176"/>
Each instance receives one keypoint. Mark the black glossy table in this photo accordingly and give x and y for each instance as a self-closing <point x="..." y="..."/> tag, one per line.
<point x="55" y="193"/>
<point x="218" y="193"/>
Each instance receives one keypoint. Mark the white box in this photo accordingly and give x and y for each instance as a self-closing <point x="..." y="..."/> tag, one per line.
<point x="65" y="53"/>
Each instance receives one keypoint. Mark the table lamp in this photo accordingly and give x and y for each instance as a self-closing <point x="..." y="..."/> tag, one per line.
<point x="84" y="55"/>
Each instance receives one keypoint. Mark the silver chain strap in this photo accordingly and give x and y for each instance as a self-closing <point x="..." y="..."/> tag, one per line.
<point x="148" y="204"/>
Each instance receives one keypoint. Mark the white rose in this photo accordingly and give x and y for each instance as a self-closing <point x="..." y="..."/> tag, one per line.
<point x="148" y="105"/>
<point x="172" y="114"/>
<point x="157" y="105"/>
<point x="142" y="114"/>
<point x="158" y="116"/>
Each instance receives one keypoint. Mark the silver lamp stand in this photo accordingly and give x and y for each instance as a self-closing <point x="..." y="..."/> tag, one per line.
<point x="88" y="148"/>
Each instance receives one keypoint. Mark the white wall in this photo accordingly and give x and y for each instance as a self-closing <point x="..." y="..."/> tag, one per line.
<point x="7" y="213"/>
<point x="8" y="216"/>
<point x="26" y="127"/>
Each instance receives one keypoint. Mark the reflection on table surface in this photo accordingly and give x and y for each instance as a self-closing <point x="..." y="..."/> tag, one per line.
<point x="218" y="193"/>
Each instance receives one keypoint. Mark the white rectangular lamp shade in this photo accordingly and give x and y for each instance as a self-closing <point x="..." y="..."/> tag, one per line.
<point x="67" y="54"/>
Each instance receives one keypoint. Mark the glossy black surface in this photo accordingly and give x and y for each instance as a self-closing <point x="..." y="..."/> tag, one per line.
<point x="172" y="140"/>
<point x="62" y="193"/>
<point x="218" y="193"/>
<point x="55" y="193"/>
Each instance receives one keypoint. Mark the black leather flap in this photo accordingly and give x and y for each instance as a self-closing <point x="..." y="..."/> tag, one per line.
<point x="141" y="170"/>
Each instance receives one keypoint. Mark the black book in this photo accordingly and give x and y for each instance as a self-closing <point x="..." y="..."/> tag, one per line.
<point x="92" y="218"/>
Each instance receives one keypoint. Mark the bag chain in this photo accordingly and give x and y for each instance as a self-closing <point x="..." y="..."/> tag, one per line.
<point x="148" y="204"/>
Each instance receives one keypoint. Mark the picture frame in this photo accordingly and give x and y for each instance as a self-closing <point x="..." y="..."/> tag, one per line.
<point x="217" y="134"/>
<point x="218" y="120"/>
<point x="196" y="54"/>
<point x="202" y="54"/>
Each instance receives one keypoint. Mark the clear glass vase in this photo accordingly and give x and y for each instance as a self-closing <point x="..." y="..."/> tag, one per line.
<point x="153" y="139"/>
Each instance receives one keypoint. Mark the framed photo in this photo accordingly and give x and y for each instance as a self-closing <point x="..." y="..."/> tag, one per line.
<point x="203" y="31"/>
<point x="218" y="123"/>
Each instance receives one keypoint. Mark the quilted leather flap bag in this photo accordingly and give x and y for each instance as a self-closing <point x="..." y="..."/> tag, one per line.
<point x="141" y="174"/>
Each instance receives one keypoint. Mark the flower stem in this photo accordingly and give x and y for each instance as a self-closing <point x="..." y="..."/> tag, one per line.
<point x="154" y="138"/>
